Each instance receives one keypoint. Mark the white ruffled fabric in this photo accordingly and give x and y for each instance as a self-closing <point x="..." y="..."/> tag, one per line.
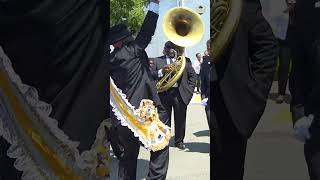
<point x="120" y="116"/>
<point x="147" y="142"/>
<point x="24" y="162"/>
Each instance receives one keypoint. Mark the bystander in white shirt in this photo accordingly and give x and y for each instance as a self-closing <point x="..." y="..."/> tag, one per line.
<point x="196" y="66"/>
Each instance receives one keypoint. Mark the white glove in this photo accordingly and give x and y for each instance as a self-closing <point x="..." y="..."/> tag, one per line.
<point x="301" y="128"/>
<point x="204" y="102"/>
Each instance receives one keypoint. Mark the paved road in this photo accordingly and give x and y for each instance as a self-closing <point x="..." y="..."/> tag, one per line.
<point x="272" y="153"/>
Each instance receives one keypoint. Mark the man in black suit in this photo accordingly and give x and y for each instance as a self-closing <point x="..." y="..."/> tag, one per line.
<point x="244" y="78"/>
<point x="205" y="75"/>
<point x="304" y="83"/>
<point x="205" y="72"/>
<point x="130" y="72"/>
<point x="284" y="56"/>
<point x="197" y="67"/>
<point x="178" y="96"/>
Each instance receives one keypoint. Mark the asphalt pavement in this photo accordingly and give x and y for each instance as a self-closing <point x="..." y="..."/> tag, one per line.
<point x="272" y="153"/>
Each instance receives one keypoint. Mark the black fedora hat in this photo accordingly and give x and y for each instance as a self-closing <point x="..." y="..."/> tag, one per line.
<point x="118" y="32"/>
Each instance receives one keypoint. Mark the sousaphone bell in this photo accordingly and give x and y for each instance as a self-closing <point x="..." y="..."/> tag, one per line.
<point x="183" y="27"/>
<point x="225" y="16"/>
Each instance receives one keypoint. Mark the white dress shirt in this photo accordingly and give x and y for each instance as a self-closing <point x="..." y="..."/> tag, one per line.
<point x="196" y="66"/>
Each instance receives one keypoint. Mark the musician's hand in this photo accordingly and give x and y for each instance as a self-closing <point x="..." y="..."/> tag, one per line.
<point x="166" y="68"/>
<point x="204" y="101"/>
<point x="301" y="128"/>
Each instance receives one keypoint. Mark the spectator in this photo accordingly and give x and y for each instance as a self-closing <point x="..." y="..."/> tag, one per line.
<point x="197" y="66"/>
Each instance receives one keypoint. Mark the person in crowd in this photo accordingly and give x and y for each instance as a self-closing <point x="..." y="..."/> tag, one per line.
<point x="179" y="95"/>
<point x="284" y="56"/>
<point x="205" y="74"/>
<point x="197" y="66"/>
<point x="131" y="73"/>
<point x="304" y="82"/>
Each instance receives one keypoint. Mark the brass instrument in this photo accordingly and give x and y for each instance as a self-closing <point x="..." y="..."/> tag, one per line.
<point x="183" y="27"/>
<point x="170" y="78"/>
<point x="225" y="15"/>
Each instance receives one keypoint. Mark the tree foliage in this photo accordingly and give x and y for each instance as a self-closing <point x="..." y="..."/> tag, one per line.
<point x="130" y="12"/>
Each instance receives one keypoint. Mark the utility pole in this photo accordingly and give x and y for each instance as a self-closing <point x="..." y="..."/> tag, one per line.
<point x="180" y="3"/>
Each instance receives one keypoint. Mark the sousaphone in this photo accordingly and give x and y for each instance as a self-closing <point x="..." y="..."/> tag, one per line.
<point x="184" y="27"/>
<point x="225" y="15"/>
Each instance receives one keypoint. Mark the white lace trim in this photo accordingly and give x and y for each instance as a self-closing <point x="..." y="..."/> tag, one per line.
<point x="24" y="162"/>
<point x="120" y="116"/>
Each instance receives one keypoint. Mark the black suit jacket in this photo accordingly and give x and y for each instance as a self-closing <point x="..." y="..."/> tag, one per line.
<point x="57" y="47"/>
<point x="245" y="70"/>
<point x="130" y="68"/>
<point x="205" y="73"/>
<point x="304" y="82"/>
<point x="306" y="18"/>
<point x="187" y="81"/>
<point x="205" y="64"/>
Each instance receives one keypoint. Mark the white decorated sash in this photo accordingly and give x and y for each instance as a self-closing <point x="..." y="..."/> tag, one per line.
<point x="144" y="122"/>
<point x="41" y="149"/>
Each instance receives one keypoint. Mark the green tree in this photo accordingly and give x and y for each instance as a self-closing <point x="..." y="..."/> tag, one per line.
<point x="130" y="12"/>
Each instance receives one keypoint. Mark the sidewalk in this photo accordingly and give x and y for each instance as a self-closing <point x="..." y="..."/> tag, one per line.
<point x="273" y="152"/>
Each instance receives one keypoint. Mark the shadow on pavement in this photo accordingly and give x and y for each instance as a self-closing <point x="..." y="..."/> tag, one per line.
<point x="202" y="133"/>
<point x="142" y="169"/>
<point x="198" y="147"/>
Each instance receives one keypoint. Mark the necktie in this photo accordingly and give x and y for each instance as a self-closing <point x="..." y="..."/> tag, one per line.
<point x="171" y="61"/>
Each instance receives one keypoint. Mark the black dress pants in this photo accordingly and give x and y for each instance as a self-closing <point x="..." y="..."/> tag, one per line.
<point x="115" y="142"/>
<point x="205" y="81"/>
<point x="198" y="82"/>
<point x="172" y="99"/>
<point x="312" y="150"/>
<point x="227" y="145"/>
<point x="304" y="84"/>
<point x="284" y="66"/>
<point x="159" y="160"/>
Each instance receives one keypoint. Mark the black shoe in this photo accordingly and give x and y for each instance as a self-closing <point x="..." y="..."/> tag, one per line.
<point x="181" y="146"/>
<point x="280" y="99"/>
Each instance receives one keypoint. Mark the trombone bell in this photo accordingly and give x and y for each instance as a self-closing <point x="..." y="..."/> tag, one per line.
<point x="183" y="26"/>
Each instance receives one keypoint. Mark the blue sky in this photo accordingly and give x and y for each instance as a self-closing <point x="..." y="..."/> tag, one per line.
<point x="156" y="46"/>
